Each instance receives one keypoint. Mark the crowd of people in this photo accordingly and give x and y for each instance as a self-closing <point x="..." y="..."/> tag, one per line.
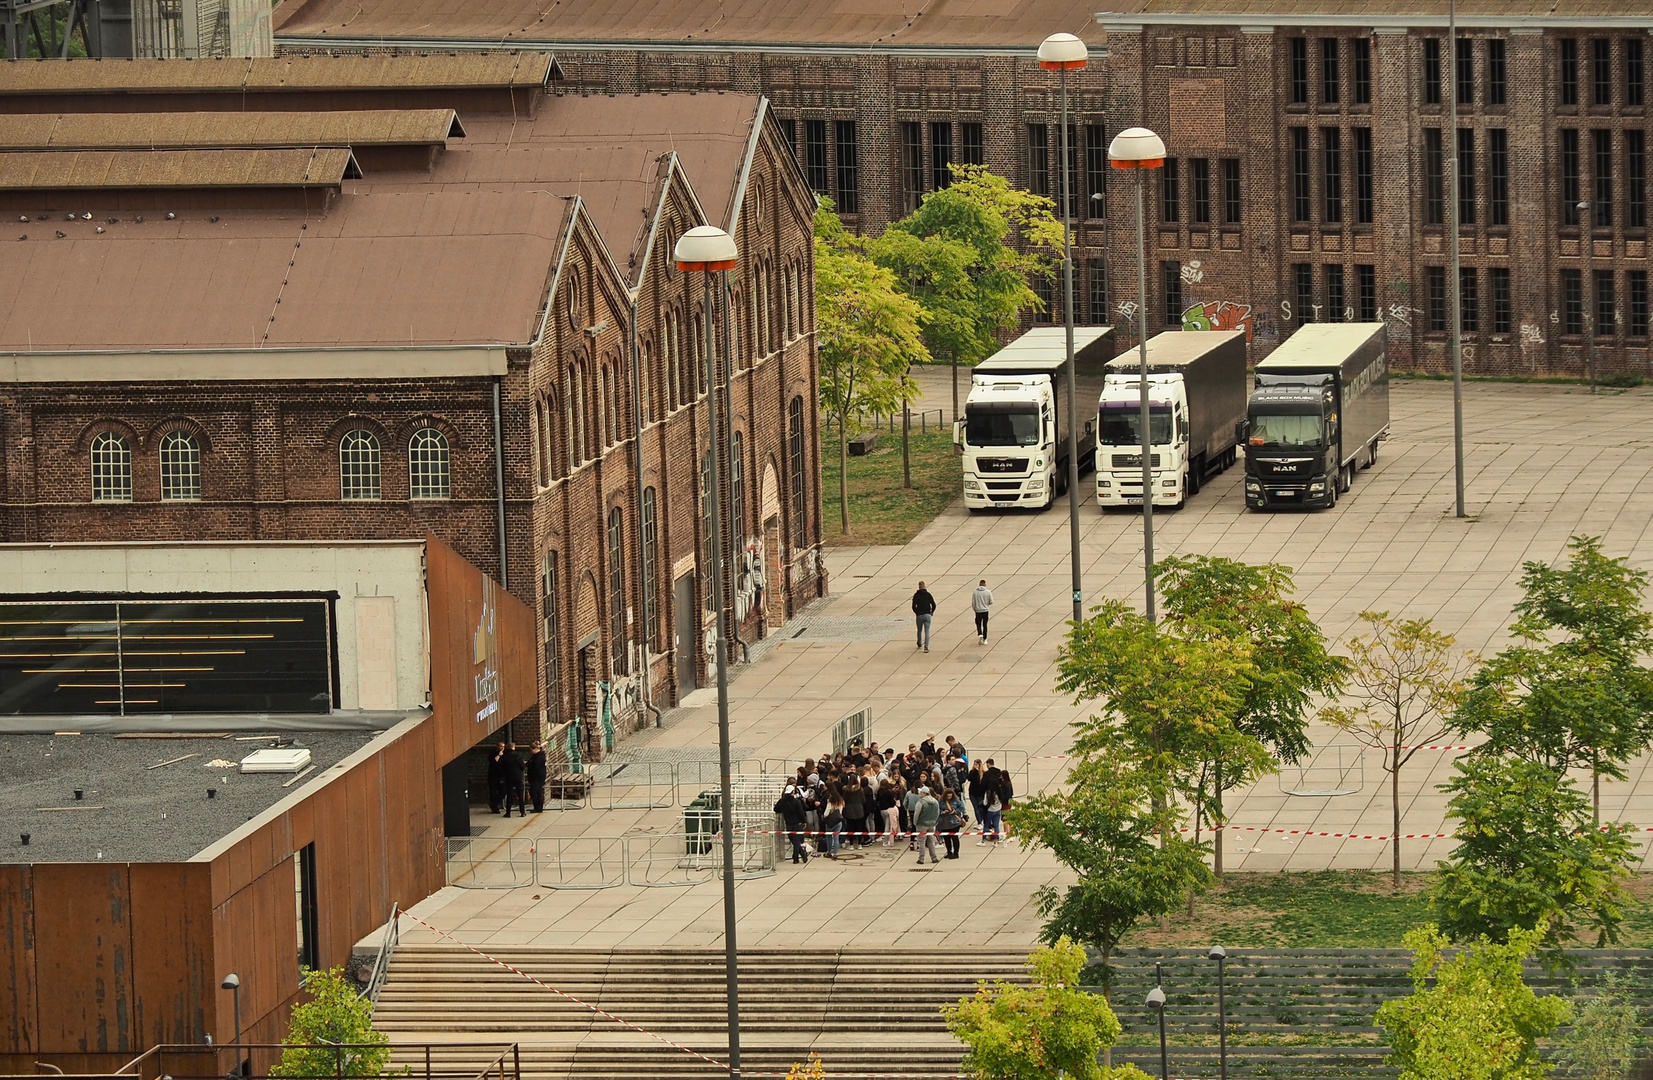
<point x="870" y="795"/>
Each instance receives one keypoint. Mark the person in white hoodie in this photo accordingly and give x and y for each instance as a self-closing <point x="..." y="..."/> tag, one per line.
<point x="980" y="601"/>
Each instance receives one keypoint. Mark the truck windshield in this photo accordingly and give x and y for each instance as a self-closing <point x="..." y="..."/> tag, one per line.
<point x="1288" y="429"/>
<point x="1123" y="427"/>
<point x="983" y="428"/>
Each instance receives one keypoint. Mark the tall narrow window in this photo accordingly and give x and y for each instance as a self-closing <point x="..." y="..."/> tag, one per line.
<point x="1096" y="275"/>
<point x="651" y="569"/>
<point x="1302" y="203"/>
<point x="1434" y="180"/>
<point x="970" y="144"/>
<point x="1431" y="71"/>
<point x="1331" y="177"/>
<point x="359" y="466"/>
<point x="1601" y="71"/>
<point x="1465" y="71"/>
<point x="1572" y="302"/>
<point x="941" y="154"/>
<point x="1303" y="275"/>
<point x="1601" y="207"/>
<point x="1331" y="76"/>
<point x="912" y="166"/>
<point x="1171" y="274"/>
<point x="1232" y="207"/>
<point x="1299" y="71"/>
<point x="815" y="156"/>
<point x="1364" y="202"/>
<point x="616" y="592"/>
<point x="1498" y="177"/>
<point x="309" y="913"/>
<point x="1570" y="180"/>
<point x="789" y="132"/>
<point x="429" y="476"/>
<point x="1170" y="192"/>
<point x="1469" y="300"/>
<point x="1635" y="73"/>
<point x="111" y="468"/>
<point x="1638" y="304"/>
<point x="1466" y="176"/>
<point x="1503" y="300"/>
<point x="737" y="491"/>
<point x="1497" y="78"/>
<point x="1435" y="286"/>
<point x="1605" y="302"/>
<point x="1567" y="55"/>
<point x="795" y="455"/>
<point x="548" y="634"/>
<point x="1038" y="159"/>
<point x="1075" y="193"/>
<point x="1096" y="171"/>
<point x="1335" y="300"/>
<point x="1200" y="178"/>
<point x="1366" y="289"/>
<point x="180" y="467"/>
<point x="849" y="167"/>
<point x="1635" y="178"/>
<point x="1044" y="289"/>
<point x="1360" y="59"/>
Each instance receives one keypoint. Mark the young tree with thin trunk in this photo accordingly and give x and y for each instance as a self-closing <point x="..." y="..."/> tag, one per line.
<point x="1408" y="678"/>
<point x="866" y="334"/>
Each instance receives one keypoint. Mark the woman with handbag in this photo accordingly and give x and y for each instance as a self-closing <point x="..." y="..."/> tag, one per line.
<point x="832" y="822"/>
<point x="951" y="821"/>
<point x="976" y="786"/>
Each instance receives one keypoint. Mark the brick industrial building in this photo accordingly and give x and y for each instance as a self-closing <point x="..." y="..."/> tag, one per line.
<point x="1307" y="177"/>
<point x="397" y="296"/>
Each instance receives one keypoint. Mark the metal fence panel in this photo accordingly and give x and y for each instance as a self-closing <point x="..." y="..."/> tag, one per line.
<point x="580" y="862"/>
<point x="482" y="862"/>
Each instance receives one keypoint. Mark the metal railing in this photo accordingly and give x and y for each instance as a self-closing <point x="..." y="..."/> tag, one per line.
<point x="923" y="421"/>
<point x="579" y="862"/>
<point x="635" y="785"/>
<point x="677" y="857"/>
<point x="439" y="1061"/>
<point x="381" y="963"/>
<point x="482" y="862"/>
<point x="1335" y="769"/>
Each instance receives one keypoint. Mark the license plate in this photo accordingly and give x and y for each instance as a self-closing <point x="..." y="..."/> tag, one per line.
<point x="1133" y="500"/>
<point x="1287" y="494"/>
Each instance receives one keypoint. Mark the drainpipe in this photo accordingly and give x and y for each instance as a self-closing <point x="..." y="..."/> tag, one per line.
<point x="729" y="431"/>
<point x="637" y="505"/>
<point x="499" y="490"/>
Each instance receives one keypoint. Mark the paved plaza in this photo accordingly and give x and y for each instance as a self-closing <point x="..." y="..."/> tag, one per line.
<point x="1543" y="463"/>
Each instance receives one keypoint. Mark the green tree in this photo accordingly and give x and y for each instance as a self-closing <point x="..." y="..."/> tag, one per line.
<point x="1528" y="855"/>
<point x="1471" y="1014"/>
<point x="1409" y="678"/>
<point x="866" y="335"/>
<point x="1604" y="1037"/>
<point x="1572" y="692"/>
<point x="1035" y="1032"/>
<point x="1012" y="236"/>
<point x="1220" y="601"/>
<point x="334" y="1014"/>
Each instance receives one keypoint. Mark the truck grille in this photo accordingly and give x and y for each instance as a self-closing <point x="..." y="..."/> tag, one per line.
<point x="1001" y="465"/>
<point x="1133" y="461"/>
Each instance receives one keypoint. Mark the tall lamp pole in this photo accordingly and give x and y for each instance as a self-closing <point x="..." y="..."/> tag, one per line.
<point x="1456" y="313"/>
<point x="1140" y="149"/>
<point x="232" y="983"/>
<point x="1156" y="1002"/>
<point x="1587" y="286"/>
<point x="1064" y="53"/>
<point x="708" y="250"/>
<point x="1219" y="954"/>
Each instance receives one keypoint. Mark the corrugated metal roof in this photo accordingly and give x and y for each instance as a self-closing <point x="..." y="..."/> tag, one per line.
<point x="115" y="169"/>
<point x="133" y="131"/>
<point x="460" y="71"/>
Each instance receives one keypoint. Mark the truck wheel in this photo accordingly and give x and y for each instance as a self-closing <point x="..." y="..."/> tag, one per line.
<point x="1195" y="472"/>
<point x="1371" y="454"/>
<point x="1345" y="478"/>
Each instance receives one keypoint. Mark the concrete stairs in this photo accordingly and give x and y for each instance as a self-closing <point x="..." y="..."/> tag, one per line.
<point x="865" y="1011"/>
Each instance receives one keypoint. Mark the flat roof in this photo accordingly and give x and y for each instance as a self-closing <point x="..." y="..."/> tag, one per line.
<point x="1421" y="13"/>
<point x="1173" y="348"/>
<point x="145" y="799"/>
<point x="458" y="71"/>
<point x="126" y="170"/>
<point x="157" y="131"/>
<point x="1319" y="345"/>
<point x="1042" y="340"/>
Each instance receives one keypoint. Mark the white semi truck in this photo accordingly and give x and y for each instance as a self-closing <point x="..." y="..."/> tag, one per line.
<point x="1196" y="416"/>
<point x="1014" y="432"/>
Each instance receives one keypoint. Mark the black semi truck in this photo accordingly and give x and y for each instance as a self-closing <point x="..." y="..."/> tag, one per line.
<point x="1320" y="407"/>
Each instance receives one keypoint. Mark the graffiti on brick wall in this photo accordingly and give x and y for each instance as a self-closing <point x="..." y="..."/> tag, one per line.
<point x="1218" y="315"/>
<point x="1531" y="335"/>
<point x="749" y="579"/>
<point x="1191" y="273"/>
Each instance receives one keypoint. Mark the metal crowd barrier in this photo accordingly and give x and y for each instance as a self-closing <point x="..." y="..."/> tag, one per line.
<point x="669" y="859"/>
<point x="481" y="862"/>
<point x="579" y="862"/>
<point x="635" y="785"/>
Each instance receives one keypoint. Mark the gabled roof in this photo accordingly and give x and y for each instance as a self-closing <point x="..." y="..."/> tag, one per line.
<point x="460" y="71"/>
<point x="95" y="170"/>
<point x="184" y="130"/>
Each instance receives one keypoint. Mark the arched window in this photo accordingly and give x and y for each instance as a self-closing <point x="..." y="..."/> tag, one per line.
<point x="180" y="467"/>
<point x="359" y="476"/>
<point x="548" y="635"/>
<point x="542" y="441"/>
<point x="617" y="591"/>
<point x="429" y="475"/>
<point x="111" y="468"/>
<point x="651" y="557"/>
<point x="603" y="418"/>
<point x="668" y="350"/>
<point x="574" y="419"/>
<point x="737" y="492"/>
<point x="795" y="452"/>
<point x="789" y="314"/>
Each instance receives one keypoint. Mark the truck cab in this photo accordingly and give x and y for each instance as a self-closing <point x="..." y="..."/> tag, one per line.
<point x="1008" y="436"/>
<point x="1119" y="441"/>
<point x="1292" y="446"/>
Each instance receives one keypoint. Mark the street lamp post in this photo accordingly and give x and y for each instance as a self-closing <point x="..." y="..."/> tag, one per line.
<point x="1156" y="1002"/>
<point x="232" y="983"/>
<point x="1219" y="954"/>
<point x="708" y="250"/>
<point x="1587" y="286"/>
<point x="1140" y="149"/>
<point x="1456" y="311"/>
<point x="1064" y="53"/>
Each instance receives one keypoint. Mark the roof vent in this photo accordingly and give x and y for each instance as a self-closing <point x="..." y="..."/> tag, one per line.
<point x="276" y="761"/>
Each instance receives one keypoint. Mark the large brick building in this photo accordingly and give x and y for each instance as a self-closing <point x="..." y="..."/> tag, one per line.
<point x="450" y="310"/>
<point x="1309" y="155"/>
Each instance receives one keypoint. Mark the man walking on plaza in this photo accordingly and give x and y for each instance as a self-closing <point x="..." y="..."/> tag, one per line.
<point x="925" y="818"/>
<point x="981" y="600"/>
<point x="924" y="609"/>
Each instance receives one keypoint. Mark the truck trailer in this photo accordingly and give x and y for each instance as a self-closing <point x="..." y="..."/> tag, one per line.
<point x="1014" y="432"/>
<point x="1320" y="408"/>
<point x="1196" y="416"/>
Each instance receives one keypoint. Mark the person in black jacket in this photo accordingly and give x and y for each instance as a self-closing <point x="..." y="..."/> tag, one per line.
<point x="924" y="610"/>
<point x="536" y="776"/>
<point x="496" y="778"/>
<point x="791" y="809"/>
<point x="515" y="781"/>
